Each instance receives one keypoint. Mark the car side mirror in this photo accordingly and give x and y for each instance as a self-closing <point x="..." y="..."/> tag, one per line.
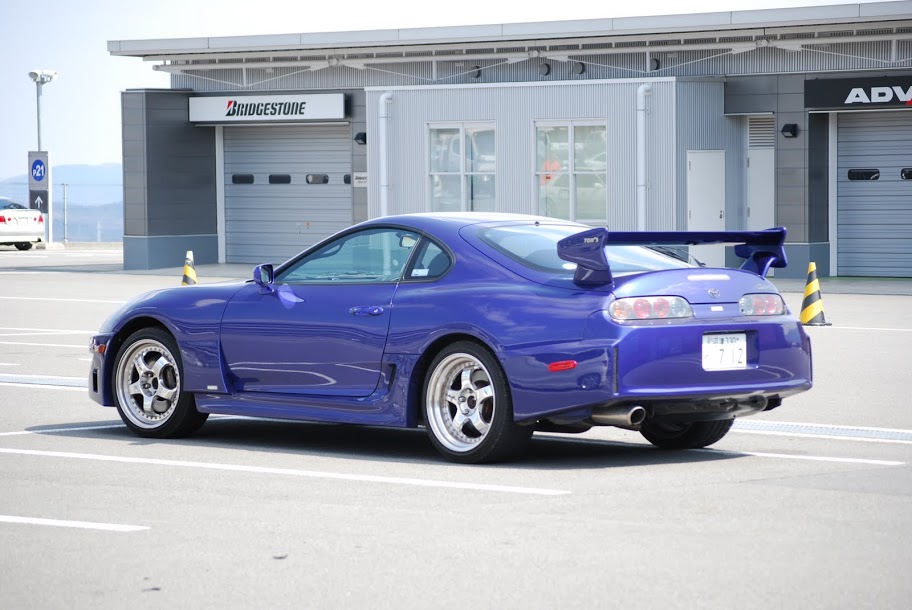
<point x="263" y="275"/>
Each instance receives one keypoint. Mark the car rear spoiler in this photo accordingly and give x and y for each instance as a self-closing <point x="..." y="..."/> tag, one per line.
<point x="761" y="249"/>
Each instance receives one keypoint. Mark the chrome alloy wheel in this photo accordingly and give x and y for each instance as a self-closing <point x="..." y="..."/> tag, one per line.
<point x="460" y="402"/>
<point x="148" y="383"/>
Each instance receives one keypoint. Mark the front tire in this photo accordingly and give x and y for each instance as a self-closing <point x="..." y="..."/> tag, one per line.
<point x="25" y="245"/>
<point x="468" y="411"/>
<point x="148" y="387"/>
<point x="694" y="435"/>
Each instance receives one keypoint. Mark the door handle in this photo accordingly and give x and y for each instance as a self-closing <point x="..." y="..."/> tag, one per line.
<point x="370" y="310"/>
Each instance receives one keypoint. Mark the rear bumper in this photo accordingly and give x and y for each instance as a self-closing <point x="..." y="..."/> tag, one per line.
<point x="661" y="369"/>
<point x="20" y="238"/>
<point x="650" y="363"/>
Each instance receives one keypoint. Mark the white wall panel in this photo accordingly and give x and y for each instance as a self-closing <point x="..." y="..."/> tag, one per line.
<point x="514" y="109"/>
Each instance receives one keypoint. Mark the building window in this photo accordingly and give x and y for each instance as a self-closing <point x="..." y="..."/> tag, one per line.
<point x="279" y="178"/>
<point x="241" y="178"/>
<point x="906" y="173"/>
<point x="864" y="174"/>
<point x="571" y="170"/>
<point x="462" y="167"/>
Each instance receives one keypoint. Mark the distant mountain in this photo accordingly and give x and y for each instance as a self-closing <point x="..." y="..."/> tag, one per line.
<point x="94" y="198"/>
<point x="87" y="185"/>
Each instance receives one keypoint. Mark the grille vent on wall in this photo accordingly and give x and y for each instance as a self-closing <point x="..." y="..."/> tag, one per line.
<point x="761" y="131"/>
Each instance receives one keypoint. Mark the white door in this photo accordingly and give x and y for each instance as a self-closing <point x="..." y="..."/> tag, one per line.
<point x="706" y="201"/>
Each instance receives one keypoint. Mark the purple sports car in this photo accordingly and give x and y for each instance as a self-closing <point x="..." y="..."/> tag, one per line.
<point x="481" y="327"/>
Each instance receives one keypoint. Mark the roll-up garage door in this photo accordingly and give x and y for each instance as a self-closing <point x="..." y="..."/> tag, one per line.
<point x="284" y="189"/>
<point x="875" y="194"/>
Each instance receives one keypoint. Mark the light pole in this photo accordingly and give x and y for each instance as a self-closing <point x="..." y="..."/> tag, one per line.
<point x="41" y="77"/>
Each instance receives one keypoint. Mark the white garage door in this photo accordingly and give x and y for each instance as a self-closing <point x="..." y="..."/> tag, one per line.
<point x="284" y="189"/>
<point x="875" y="194"/>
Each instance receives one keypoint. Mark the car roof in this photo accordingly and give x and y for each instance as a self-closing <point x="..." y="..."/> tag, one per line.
<point x="456" y="220"/>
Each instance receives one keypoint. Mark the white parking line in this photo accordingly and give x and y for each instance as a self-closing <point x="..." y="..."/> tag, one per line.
<point x="862" y="328"/>
<point x="313" y="474"/>
<point x="40" y="386"/>
<point x="832" y="437"/>
<point x="60" y="331"/>
<point x="85" y="346"/>
<point x="811" y="458"/>
<point x="86" y="525"/>
<point x="783" y="456"/>
<point x="59" y="430"/>
<point x="61" y="300"/>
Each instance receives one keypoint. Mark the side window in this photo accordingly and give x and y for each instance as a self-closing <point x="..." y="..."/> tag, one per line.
<point x="370" y="256"/>
<point x="431" y="263"/>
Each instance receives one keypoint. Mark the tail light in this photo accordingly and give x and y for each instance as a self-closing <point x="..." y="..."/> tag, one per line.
<point x="650" y="308"/>
<point x="762" y="305"/>
<point x="3" y="219"/>
<point x="40" y="219"/>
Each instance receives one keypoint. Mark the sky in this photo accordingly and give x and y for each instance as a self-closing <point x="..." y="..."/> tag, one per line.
<point x="80" y="111"/>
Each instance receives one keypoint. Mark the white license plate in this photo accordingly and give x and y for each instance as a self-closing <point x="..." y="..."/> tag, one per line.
<point x="724" y="352"/>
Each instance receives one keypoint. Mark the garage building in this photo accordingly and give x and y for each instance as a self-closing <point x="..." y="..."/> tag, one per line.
<point x="738" y="120"/>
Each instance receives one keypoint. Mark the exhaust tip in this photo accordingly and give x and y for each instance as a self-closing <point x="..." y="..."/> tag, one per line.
<point x="637" y="415"/>
<point x="622" y="417"/>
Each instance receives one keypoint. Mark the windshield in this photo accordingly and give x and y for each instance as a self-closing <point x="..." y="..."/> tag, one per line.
<point x="535" y="246"/>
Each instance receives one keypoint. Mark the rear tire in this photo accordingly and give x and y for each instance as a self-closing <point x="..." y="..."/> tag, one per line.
<point x="686" y="436"/>
<point x="149" y="390"/>
<point x="24" y="245"/>
<point x="468" y="410"/>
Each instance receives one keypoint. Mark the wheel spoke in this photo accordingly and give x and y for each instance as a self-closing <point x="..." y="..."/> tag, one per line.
<point x="159" y="365"/>
<point x="459" y="421"/>
<point x="466" y="378"/>
<point x="140" y="365"/>
<point x="452" y="397"/>
<point x="480" y="425"/>
<point x="166" y="394"/>
<point x="482" y="394"/>
<point x="147" y="404"/>
<point x="135" y="388"/>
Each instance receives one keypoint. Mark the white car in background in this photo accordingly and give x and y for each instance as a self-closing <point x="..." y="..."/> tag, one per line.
<point x="20" y="226"/>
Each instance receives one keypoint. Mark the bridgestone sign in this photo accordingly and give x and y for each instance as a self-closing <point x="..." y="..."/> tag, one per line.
<point x="267" y="108"/>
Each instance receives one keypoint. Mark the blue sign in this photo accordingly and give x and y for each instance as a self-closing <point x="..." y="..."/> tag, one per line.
<point x="39" y="170"/>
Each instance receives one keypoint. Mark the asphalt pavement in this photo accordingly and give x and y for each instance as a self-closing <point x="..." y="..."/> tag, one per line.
<point x="805" y="506"/>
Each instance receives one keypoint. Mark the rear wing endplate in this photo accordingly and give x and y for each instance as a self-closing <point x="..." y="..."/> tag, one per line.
<point x="760" y="249"/>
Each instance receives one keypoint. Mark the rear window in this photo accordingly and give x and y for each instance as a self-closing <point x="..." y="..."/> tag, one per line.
<point x="11" y="205"/>
<point x="535" y="246"/>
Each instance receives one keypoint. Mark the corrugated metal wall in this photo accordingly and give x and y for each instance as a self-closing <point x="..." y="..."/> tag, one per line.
<point x="701" y="125"/>
<point x="874" y="216"/>
<point x="270" y="222"/>
<point x="515" y="110"/>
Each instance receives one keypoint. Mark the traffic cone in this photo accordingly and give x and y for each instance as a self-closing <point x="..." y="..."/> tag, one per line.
<point x="812" y="305"/>
<point x="189" y="270"/>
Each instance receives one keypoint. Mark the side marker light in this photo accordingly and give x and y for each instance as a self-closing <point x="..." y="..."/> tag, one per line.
<point x="563" y="365"/>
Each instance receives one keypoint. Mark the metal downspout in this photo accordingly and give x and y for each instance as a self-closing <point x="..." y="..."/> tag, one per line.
<point x="642" y="91"/>
<point x="383" y="112"/>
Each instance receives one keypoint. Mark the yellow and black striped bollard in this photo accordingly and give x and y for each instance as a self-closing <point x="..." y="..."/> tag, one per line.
<point x="812" y="305"/>
<point x="189" y="270"/>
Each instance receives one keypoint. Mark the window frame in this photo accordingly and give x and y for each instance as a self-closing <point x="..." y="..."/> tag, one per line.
<point x="571" y="172"/>
<point x="464" y="174"/>
<point x="294" y="264"/>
